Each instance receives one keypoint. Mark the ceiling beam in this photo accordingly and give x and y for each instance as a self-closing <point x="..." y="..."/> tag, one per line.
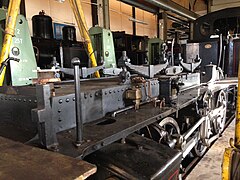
<point x="153" y="6"/>
<point x="175" y="8"/>
<point x="142" y="5"/>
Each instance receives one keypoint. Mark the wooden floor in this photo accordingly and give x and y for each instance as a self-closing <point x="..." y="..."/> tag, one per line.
<point x="19" y="161"/>
<point x="210" y="166"/>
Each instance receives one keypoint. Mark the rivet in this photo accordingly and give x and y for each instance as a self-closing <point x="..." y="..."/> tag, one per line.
<point x="110" y="91"/>
<point x="96" y="94"/>
<point x="30" y="100"/>
<point x="85" y="96"/>
<point x="15" y="99"/>
<point x="73" y="98"/>
<point x="19" y="100"/>
<point x="60" y="101"/>
<point x="35" y="101"/>
<point x="67" y="100"/>
<point x="10" y="99"/>
<point x="105" y="93"/>
<point x="90" y="95"/>
<point x="24" y="100"/>
<point x="59" y="110"/>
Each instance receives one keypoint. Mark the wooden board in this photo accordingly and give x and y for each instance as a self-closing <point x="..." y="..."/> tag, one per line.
<point x="19" y="161"/>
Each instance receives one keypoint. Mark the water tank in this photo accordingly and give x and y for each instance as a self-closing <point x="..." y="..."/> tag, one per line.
<point x="69" y="33"/>
<point x="42" y="26"/>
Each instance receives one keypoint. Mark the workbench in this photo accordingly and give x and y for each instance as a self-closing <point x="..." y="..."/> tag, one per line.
<point x="20" y="161"/>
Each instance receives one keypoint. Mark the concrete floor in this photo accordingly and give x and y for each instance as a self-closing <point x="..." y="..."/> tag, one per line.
<point x="210" y="166"/>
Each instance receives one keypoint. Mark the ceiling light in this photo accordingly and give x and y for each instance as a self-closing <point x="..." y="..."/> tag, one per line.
<point x="137" y="21"/>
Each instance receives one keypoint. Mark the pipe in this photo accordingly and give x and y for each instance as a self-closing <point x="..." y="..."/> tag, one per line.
<point x="5" y="63"/>
<point x="82" y="25"/>
<point x="140" y="5"/>
<point x="220" y="49"/>
<point x="175" y="8"/>
<point x="13" y="9"/>
<point x="172" y="53"/>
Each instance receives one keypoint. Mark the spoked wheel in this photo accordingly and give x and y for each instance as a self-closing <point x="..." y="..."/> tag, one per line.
<point x="221" y="119"/>
<point x="171" y="129"/>
<point x="164" y="132"/>
<point x="199" y="149"/>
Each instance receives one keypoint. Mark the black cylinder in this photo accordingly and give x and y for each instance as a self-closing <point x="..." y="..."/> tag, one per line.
<point x="42" y="26"/>
<point x="69" y="33"/>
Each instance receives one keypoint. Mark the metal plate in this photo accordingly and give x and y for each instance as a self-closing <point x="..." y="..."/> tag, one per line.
<point x="25" y="70"/>
<point x="143" y="159"/>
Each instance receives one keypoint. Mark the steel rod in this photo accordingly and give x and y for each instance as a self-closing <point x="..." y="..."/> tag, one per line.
<point x="78" y="107"/>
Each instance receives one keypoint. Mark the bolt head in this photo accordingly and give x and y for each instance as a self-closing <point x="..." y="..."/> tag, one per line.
<point x="75" y="61"/>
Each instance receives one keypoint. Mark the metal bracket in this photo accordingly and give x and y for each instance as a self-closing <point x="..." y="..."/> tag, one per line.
<point x="84" y="72"/>
<point x="43" y="116"/>
<point x="112" y="71"/>
<point x="148" y="70"/>
<point x="190" y="66"/>
<point x="173" y="70"/>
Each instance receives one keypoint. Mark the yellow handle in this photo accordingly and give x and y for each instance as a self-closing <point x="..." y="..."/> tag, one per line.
<point x="12" y="14"/>
<point x="82" y="25"/>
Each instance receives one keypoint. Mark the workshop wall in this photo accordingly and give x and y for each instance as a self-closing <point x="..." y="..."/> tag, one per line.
<point x="119" y="15"/>
<point x="60" y="12"/>
<point x="222" y="4"/>
<point x="184" y="3"/>
<point x="119" y="19"/>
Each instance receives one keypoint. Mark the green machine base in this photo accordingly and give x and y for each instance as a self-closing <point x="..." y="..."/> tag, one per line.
<point x="102" y="40"/>
<point x="25" y="70"/>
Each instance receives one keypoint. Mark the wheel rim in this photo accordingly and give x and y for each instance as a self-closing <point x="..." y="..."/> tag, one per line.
<point x="164" y="132"/>
<point x="221" y="119"/>
<point x="199" y="149"/>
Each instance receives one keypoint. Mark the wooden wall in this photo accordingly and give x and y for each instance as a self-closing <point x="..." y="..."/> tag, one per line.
<point x="60" y="12"/>
<point x="119" y="15"/>
<point x="222" y="4"/>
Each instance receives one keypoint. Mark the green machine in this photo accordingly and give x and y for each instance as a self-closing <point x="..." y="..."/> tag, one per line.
<point x="22" y="72"/>
<point x="102" y="41"/>
<point x="155" y="51"/>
